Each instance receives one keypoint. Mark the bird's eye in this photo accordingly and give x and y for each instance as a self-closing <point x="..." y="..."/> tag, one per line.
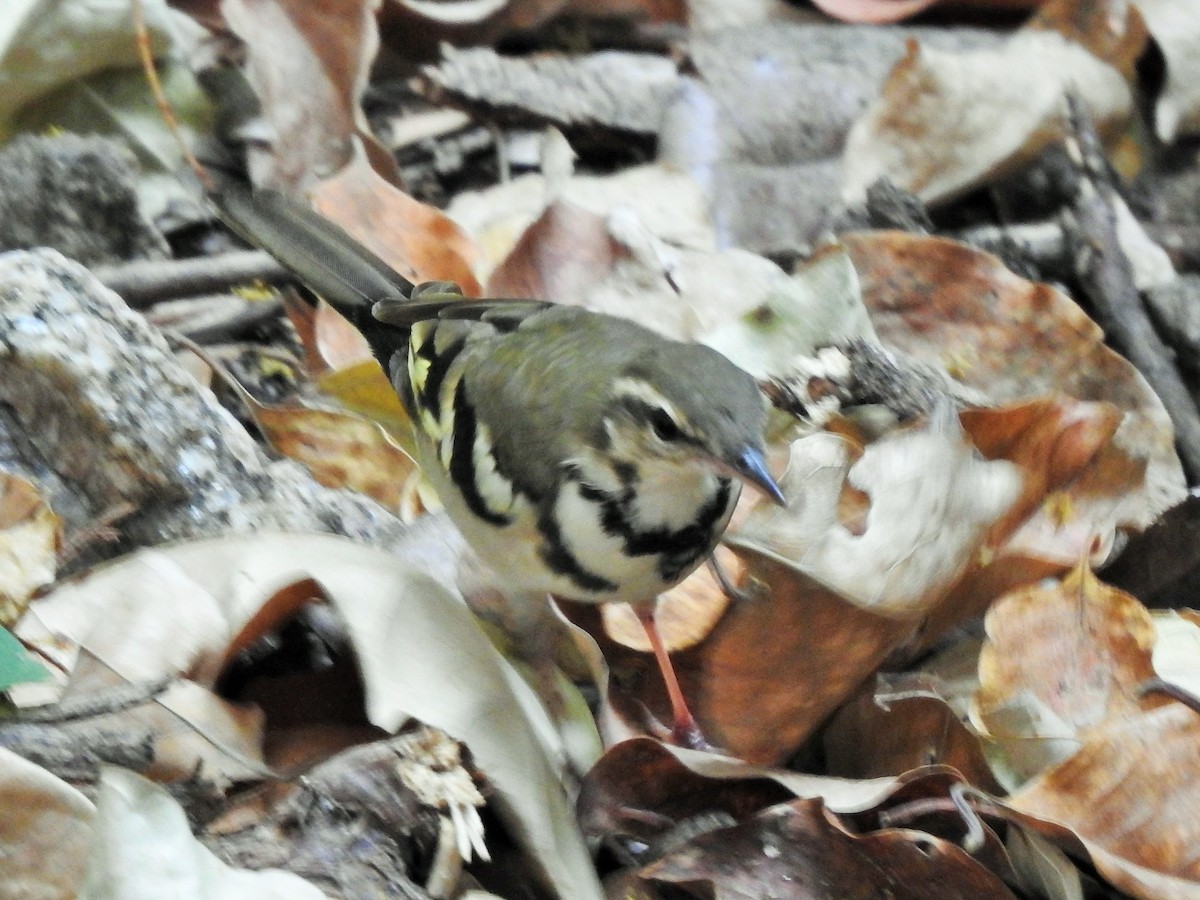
<point x="665" y="428"/>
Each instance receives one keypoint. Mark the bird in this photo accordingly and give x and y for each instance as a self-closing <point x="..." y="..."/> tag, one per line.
<point x="580" y="454"/>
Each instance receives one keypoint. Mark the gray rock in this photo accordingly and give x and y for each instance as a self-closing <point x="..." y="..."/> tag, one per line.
<point x="108" y="414"/>
<point x="76" y="194"/>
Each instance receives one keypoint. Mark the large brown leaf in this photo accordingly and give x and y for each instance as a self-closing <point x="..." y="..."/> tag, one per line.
<point x="1014" y="340"/>
<point x="415" y="239"/>
<point x="1061" y="661"/>
<point x="1131" y="794"/>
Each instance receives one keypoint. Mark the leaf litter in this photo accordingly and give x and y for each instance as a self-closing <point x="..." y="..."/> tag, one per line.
<point x="1027" y="763"/>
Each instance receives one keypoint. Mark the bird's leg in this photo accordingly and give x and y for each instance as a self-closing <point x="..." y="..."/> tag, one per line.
<point x="684" y="730"/>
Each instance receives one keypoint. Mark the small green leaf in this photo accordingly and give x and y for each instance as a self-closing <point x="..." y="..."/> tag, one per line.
<point x="16" y="665"/>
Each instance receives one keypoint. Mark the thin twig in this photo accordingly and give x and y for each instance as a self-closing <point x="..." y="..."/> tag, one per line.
<point x="142" y="35"/>
<point x="144" y="283"/>
<point x="1106" y="276"/>
<point x="98" y="703"/>
<point x="1170" y="689"/>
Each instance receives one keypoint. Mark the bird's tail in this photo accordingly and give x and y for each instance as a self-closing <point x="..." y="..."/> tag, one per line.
<point x="321" y="255"/>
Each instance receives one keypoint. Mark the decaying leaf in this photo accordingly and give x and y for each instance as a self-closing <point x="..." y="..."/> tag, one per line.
<point x="340" y="449"/>
<point x="948" y="122"/>
<point x="29" y="534"/>
<point x="1060" y="662"/>
<point x="802" y="848"/>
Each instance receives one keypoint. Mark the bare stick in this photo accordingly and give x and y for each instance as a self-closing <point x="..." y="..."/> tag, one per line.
<point x="1107" y="277"/>
<point x="164" y="106"/>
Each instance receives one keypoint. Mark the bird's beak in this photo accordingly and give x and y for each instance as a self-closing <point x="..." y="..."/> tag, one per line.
<point x="751" y="467"/>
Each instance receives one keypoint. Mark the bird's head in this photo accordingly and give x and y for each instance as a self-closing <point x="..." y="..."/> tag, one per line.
<point x="687" y="405"/>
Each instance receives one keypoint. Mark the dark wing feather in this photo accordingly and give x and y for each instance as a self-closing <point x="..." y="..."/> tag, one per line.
<point x="321" y="255"/>
<point x="504" y="315"/>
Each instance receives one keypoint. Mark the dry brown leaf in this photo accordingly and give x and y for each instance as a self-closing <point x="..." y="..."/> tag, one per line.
<point x="1131" y="794"/>
<point x="1060" y="662"/>
<point x="1057" y="442"/>
<point x="562" y="254"/>
<point x="638" y="787"/>
<point x="29" y="535"/>
<point x="415" y="239"/>
<point x="902" y="722"/>
<point x="948" y="122"/>
<point x="804" y="847"/>
<point x="960" y="308"/>
<point x="339" y="449"/>
<point x="768" y="673"/>
<point x="327" y="48"/>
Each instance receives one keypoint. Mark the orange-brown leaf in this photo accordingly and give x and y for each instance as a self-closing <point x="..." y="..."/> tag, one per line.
<point x="418" y="241"/>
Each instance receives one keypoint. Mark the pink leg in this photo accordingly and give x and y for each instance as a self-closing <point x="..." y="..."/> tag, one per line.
<point x="684" y="730"/>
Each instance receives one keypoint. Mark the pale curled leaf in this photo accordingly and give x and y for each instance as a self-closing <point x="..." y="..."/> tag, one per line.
<point x="144" y="847"/>
<point x="1176" y="29"/>
<point x="1176" y="656"/>
<point x="948" y="122"/>
<point x="339" y="449"/>
<point x="421" y="654"/>
<point x="821" y="305"/>
<point x="1044" y="870"/>
<point x="932" y="501"/>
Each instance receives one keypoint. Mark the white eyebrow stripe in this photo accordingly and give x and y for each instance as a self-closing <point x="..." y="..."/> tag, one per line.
<point x="645" y="392"/>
